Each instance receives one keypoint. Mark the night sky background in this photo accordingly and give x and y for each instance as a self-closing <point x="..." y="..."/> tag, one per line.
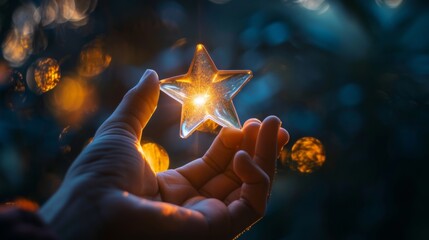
<point x="353" y="74"/>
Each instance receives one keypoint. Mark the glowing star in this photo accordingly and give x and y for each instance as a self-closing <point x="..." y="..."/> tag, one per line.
<point x="206" y="93"/>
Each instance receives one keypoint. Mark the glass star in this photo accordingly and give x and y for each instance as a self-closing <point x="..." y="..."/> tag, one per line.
<point x="206" y="93"/>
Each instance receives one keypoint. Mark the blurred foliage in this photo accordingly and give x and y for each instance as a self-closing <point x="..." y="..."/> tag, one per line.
<point x="353" y="74"/>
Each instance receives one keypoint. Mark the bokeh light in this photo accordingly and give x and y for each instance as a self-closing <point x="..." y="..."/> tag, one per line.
<point x="72" y="100"/>
<point x="75" y="11"/>
<point x="93" y="59"/>
<point x="155" y="155"/>
<point x="24" y="203"/>
<point x="307" y="155"/>
<point x="17" y="47"/>
<point x="49" y="12"/>
<point x="43" y="75"/>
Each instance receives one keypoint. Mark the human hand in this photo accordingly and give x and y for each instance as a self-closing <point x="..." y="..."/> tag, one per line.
<point x="110" y="191"/>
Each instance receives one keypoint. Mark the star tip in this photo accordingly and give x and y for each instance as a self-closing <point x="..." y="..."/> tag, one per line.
<point x="200" y="46"/>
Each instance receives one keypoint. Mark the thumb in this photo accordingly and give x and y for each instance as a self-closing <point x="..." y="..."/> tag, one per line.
<point x="135" y="109"/>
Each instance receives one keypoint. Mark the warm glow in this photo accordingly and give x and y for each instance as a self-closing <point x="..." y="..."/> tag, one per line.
<point x="209" y="126"/>
<point x="93" y="59"/>
<point x="16" y="47"/>
<point x="206" y="93"/>
<point x="200" y="100"/>
<point x="24" y="204"/>
<point x="307" y="155"/>
<point x="72" y="100"/>
<point x="155" y="155"/>
<point x="43" y="75"/>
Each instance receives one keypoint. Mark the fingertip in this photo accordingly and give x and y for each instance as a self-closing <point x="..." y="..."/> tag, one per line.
<point x="150" y="77"/>
<point x="231" y="137"/>
<point x="283" y="136"/>
<point x="242" y="162"/>
<point x="272" y="120"/>
<point x="252" y="126"/>
<point x="251" y="121"/>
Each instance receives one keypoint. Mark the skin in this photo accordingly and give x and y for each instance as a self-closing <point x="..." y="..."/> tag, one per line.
<point x="110" y="191"/>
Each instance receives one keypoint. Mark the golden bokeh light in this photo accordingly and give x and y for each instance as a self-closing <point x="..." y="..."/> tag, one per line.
<point x="48" y="12"/>
<point x="70" y="95"/>
<point x="74" y="11"/>
<point x="72" y="100"/>
<point x="24" y="204"/>
<point x="17" y="47"/>
<point x="93" y="59"/>
<point x="307" y="155"/>
<point x="43" y="75"/>
<point x="155" y="155"/>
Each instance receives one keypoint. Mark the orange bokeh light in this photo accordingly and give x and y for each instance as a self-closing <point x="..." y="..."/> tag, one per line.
<point x="307" y="155"/>
<point x="72" y="100"/>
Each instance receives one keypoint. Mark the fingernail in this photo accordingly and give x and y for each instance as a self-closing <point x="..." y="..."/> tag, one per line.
<point x="146" y="74"/>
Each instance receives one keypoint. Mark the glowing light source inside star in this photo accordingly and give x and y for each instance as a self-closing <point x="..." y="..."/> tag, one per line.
<point x="201" y="100"/>
<point x="155" y="155"/>
<point x="307" y="155"/>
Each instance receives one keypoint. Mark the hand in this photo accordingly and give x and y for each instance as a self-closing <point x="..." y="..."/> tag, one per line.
<point x="110" y="191"/>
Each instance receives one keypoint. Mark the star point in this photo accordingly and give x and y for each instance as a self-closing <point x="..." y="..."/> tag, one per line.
<point x="206" y="93"/>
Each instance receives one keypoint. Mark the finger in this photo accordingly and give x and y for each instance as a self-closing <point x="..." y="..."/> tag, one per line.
<point x="251" y="120"/>
<point x="266" y="145"/>
<point x="223" y="184"/>
<point x="135" y="109"/>
<point x="250" y="132"/>
<point x="253" y="196"/>
<point x="282" y="139"/>
<point x="215" y="160"/>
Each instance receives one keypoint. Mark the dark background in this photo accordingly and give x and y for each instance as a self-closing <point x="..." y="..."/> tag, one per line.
<point x="353" y="74"/>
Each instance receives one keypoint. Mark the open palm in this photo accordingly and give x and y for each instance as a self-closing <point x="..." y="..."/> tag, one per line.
<point x="111" y="192"/>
